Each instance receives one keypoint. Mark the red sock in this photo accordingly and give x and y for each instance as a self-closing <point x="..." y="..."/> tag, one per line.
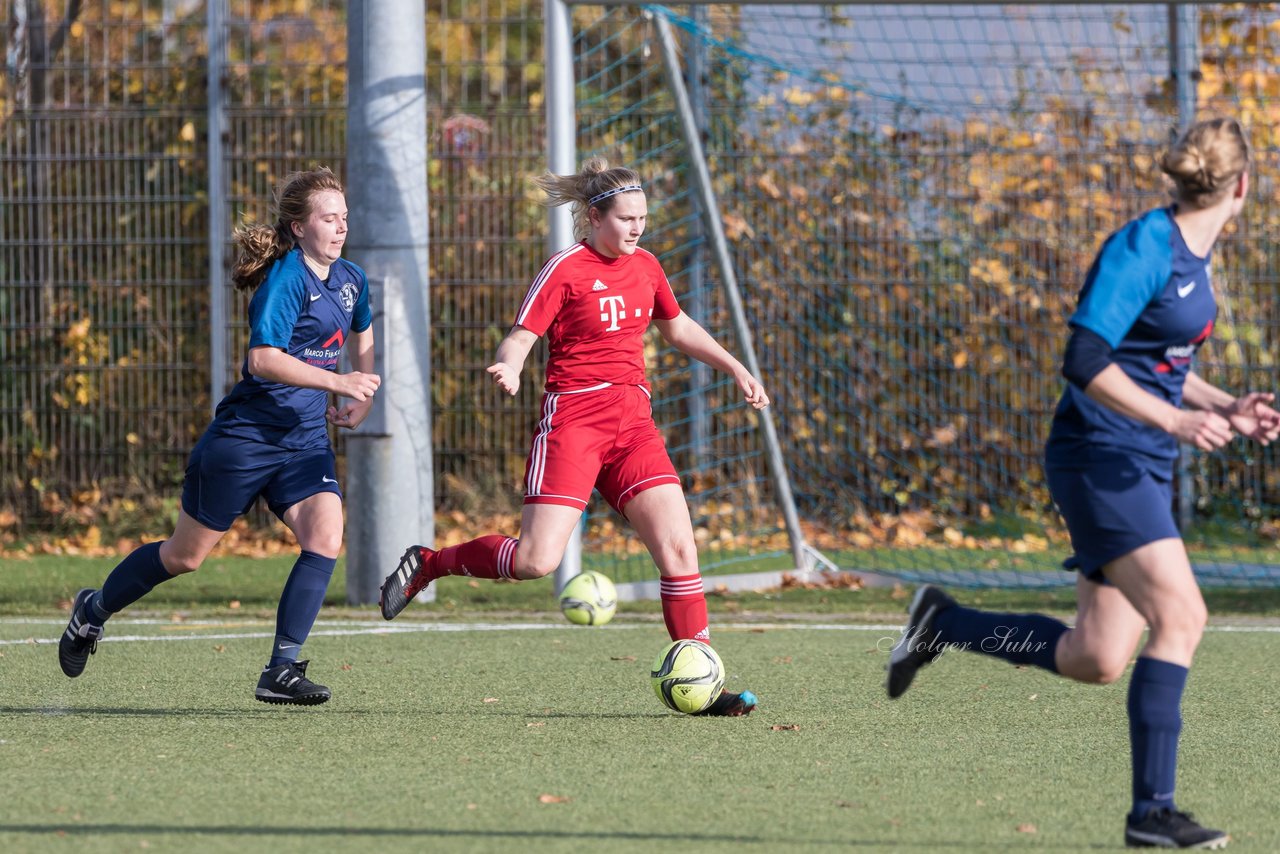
<point x="684" y="607"/>
<point x="491" y="556"/>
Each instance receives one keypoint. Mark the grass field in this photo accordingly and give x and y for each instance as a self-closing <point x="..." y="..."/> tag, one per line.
<point x="449" y="734"/>
<point x="40" y="585"/>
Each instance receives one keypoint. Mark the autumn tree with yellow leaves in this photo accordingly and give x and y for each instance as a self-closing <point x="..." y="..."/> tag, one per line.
<point x="908" y="277"/>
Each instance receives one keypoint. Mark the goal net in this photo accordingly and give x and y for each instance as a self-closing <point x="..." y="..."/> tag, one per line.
<point x="911" y="196"/>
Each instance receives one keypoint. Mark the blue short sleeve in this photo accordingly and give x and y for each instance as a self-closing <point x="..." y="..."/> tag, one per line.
<point x="362" y="314"/>
<point x="1131" y="270"/>
<point x="275" y="308"/>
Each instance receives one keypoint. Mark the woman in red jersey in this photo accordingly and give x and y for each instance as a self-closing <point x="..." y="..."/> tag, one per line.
<point x="594" y="301"/>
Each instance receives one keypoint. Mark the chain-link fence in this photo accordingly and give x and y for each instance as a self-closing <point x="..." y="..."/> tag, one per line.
<point x="912" y="195"/>
<point x="105" y="282"/>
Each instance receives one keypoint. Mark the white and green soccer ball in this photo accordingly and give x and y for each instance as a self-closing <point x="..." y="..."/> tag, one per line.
<point x="687" y="676"/>
<point x="589" y="599"/>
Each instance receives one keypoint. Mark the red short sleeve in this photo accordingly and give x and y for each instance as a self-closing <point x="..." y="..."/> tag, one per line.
<point x="665" y="306"/>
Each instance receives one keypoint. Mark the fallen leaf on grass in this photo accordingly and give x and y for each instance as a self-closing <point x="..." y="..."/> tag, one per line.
<point x="552" y="799"/>
<point x="235" y="603"/>
<point x="345" y="667"/>
<point x="220" y="647"/>
<point x="823" y="581"/>
<point x="490" y="699"/>
<point x="1026" y="827"/>
<point x="536" y="723"/>
<point x="622" y="658"/>
<point x="785" y="727"/>
<point x="473" y="583"/>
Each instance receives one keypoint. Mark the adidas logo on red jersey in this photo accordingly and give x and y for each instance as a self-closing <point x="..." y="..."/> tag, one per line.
<point x="599" y="286"/>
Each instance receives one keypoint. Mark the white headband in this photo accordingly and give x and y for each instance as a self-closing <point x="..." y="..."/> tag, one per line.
<point x="615" y="191"/>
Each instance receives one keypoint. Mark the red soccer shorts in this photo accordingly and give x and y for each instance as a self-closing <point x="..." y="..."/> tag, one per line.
<point x="603" y="438"/>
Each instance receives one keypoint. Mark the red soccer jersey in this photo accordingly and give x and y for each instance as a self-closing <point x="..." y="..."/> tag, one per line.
<point x="594" y="311"/>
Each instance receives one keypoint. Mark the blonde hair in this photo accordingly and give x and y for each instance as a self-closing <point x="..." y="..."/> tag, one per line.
<point x="1206" y="161"/>
<point x="260" y="246"/>
<point x="595" y="180"/>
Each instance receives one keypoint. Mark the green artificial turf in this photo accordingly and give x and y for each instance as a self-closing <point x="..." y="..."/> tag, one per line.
<point x="536" y="736"/>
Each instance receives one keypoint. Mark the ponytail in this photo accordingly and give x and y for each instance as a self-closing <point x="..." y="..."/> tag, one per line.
<point x="596" y="186"/>
<point x="260" y="246"/>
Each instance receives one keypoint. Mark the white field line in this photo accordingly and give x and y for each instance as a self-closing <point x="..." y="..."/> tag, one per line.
<point x="354" y="627"/>
<point x="414" y="628"/>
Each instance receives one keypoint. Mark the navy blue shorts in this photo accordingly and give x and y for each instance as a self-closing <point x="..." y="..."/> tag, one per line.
<point x="226" y="474"/>
<point x="1112" y="507"/>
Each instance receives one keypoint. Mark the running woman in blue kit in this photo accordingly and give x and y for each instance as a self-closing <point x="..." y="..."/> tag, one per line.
<point x="269" y="436"/>
<point x="1146" y="307"/>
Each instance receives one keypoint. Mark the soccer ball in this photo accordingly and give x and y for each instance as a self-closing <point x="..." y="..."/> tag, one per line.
<point x="687" y="676"/>
<point x="589" y="599"/>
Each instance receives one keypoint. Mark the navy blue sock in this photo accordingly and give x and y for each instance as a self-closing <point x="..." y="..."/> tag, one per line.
<point x="133" y="578"/>
<point x="1155" y="721"/>
<point x="95" y="612"/>
<point x="299" y="604"/>
<point x="1017" y="638"/>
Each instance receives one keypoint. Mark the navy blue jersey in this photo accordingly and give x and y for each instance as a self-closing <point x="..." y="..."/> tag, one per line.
<point x="310" y="320"/>
<point x="1151" y="299"/>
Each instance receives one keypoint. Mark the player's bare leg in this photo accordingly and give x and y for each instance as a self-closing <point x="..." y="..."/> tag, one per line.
<point x="544" y="532"/>
<point x="660" y="517"/>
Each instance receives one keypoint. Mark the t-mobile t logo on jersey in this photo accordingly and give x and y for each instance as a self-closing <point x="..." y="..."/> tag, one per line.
<point x="612" y="309"/>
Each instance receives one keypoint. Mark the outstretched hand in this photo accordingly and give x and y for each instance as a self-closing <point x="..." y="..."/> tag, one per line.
<point x="753" y="391"/>
<point x="1252" y="415"/>
<point x="507" y="377"/>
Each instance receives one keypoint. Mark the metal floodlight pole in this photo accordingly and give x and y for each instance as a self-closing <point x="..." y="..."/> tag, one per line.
<point x="390" y="489"/>
<point x="562" y="155"/>
<point x="720" y="249"/>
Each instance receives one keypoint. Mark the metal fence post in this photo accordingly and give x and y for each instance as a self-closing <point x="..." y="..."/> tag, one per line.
<point x="1184" y="68"/>
<point x="215" y="111"/>
<point x="562" y="154"/>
